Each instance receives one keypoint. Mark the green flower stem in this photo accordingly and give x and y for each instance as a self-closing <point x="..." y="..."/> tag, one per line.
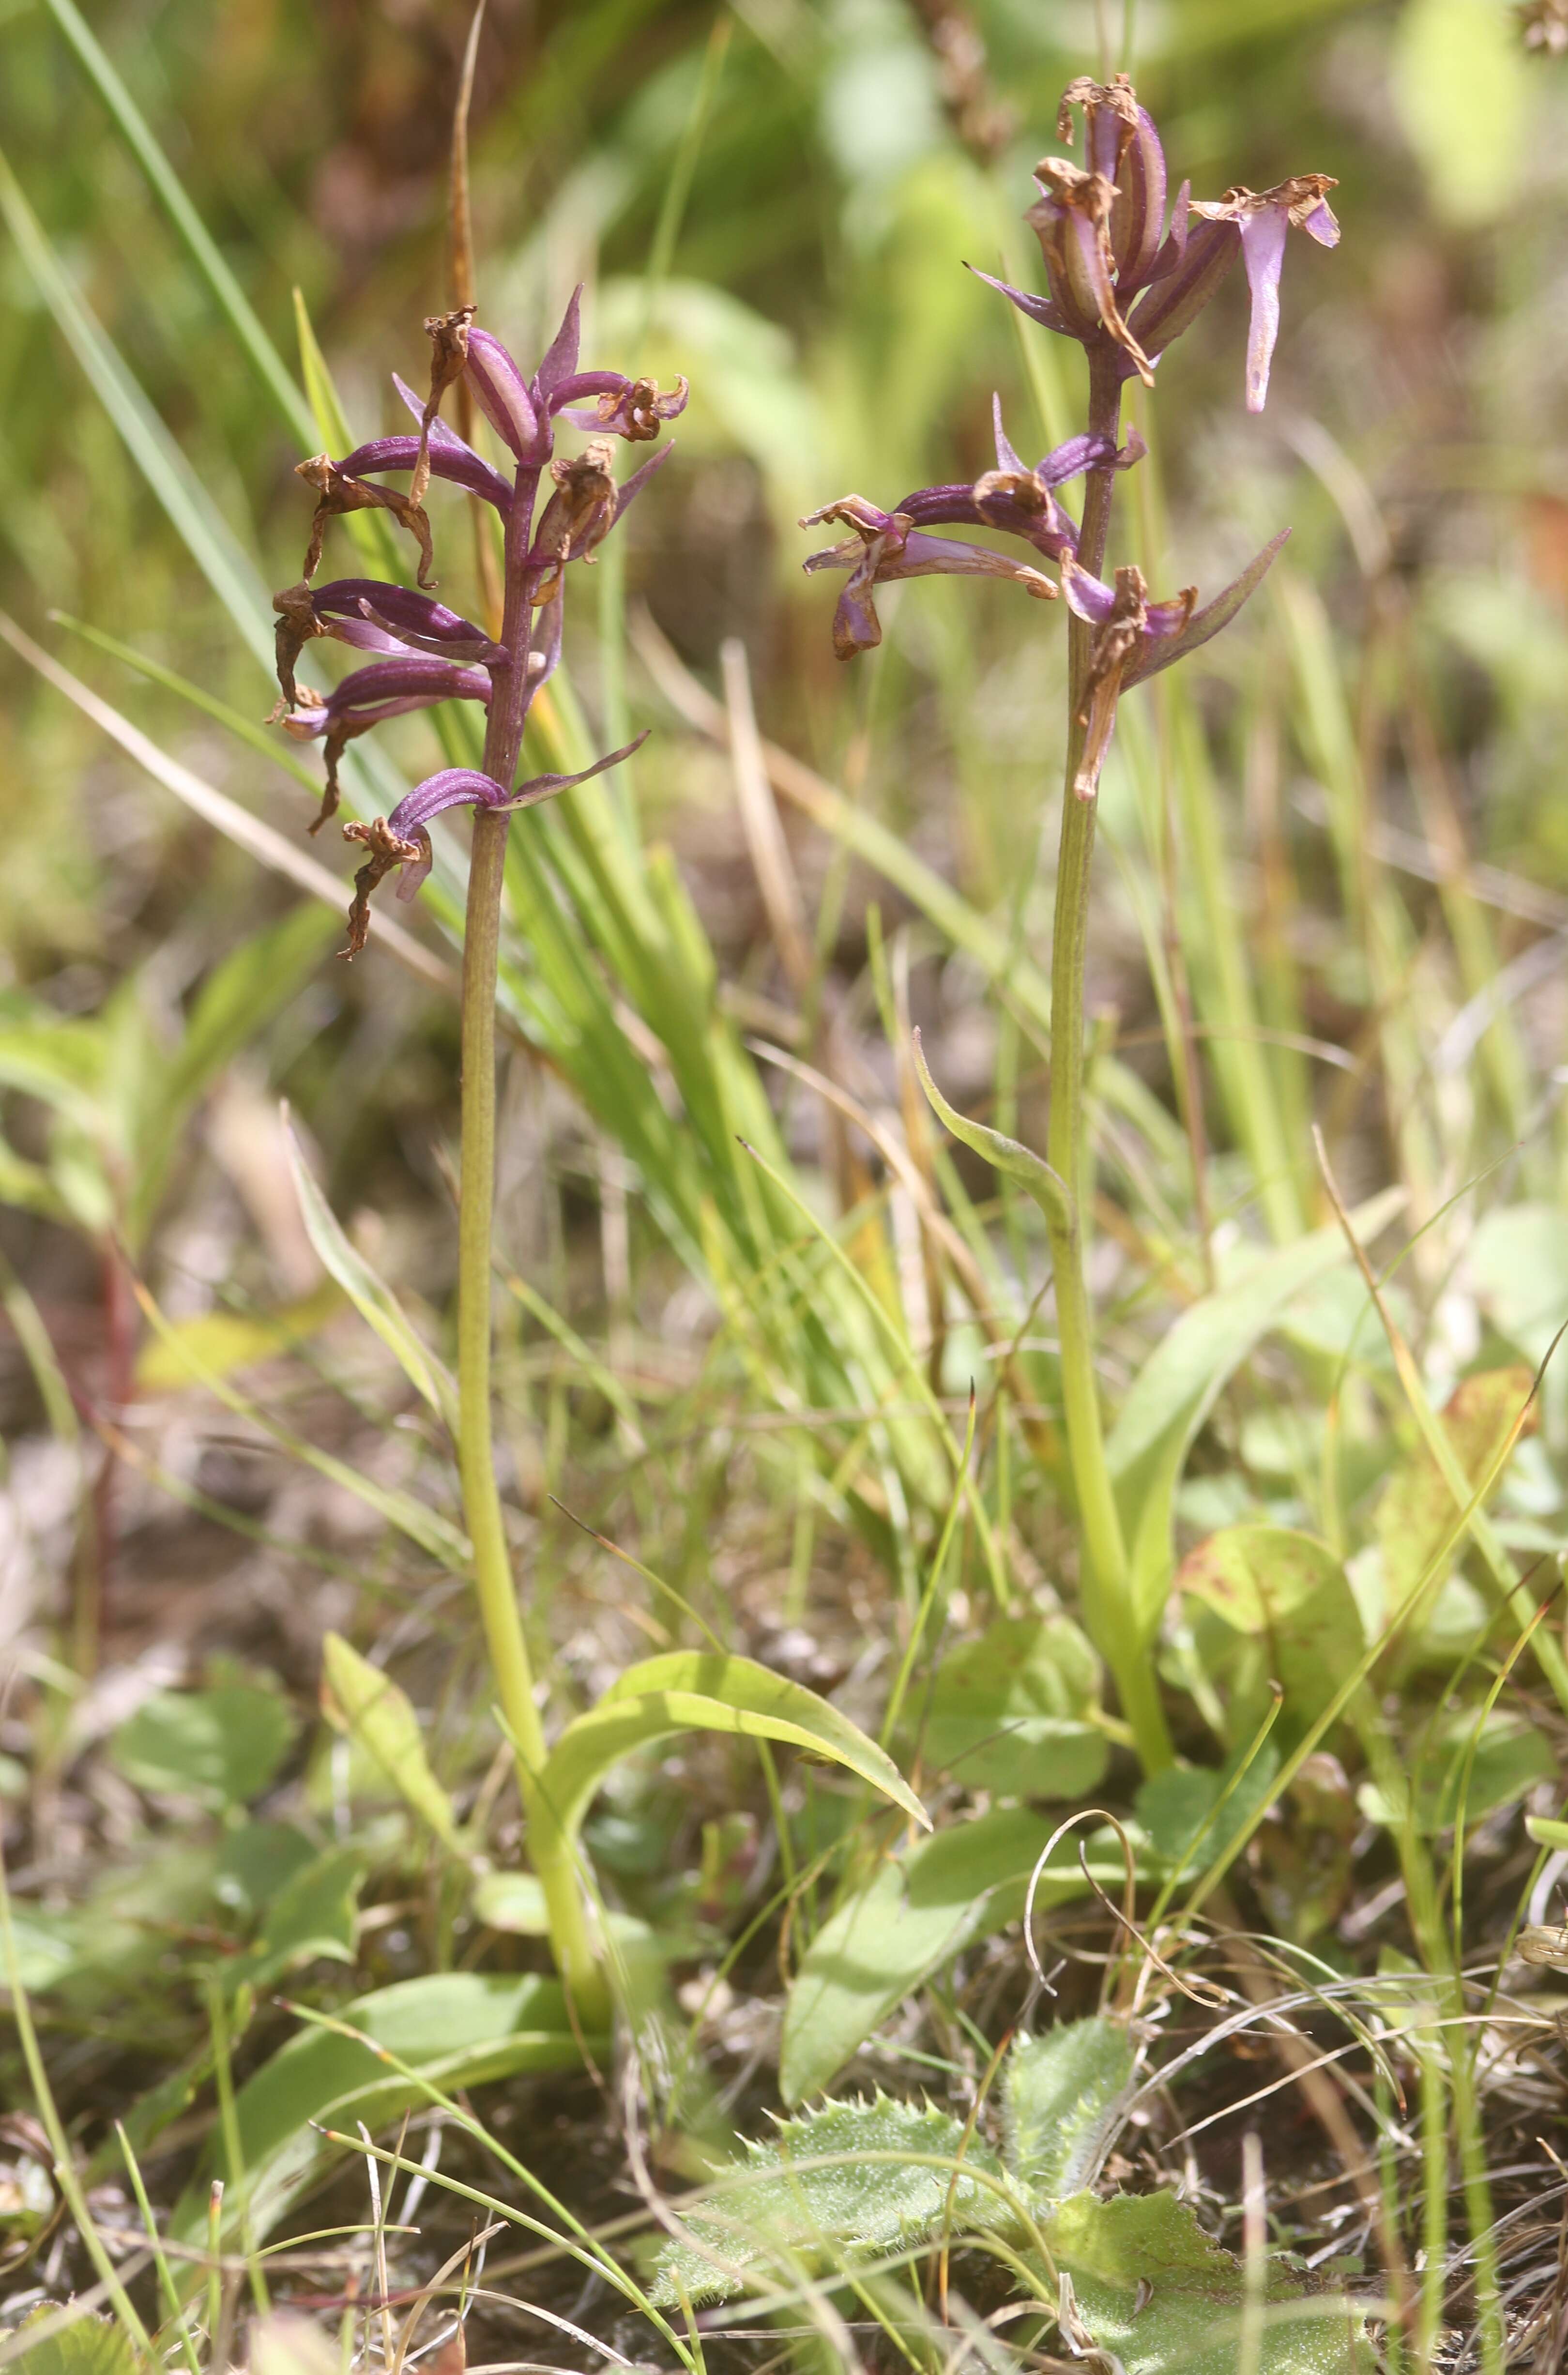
<point x="1107" y="1589"/>
<point x="500" y="1616"/>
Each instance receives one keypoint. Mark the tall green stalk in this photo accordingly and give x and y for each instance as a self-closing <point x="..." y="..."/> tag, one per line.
<point x="1107" y="1583"/>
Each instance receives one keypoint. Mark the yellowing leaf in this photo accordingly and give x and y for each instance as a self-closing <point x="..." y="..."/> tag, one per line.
<point x="221" y="1341"/>
<point x="357" y="1698"/>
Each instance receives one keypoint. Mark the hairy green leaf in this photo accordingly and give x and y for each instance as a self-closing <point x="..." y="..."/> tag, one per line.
<point x="1065" y="2094"/>
<point x="843" y="2184"/>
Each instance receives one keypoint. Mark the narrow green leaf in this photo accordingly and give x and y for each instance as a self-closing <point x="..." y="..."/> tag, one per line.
<point x="701" y="1691"/>
<point x="373" y="1300"/>
<point x="138" y="137"/>
<point x="226" y="566"/>
<point x="1547" y="1831"/>
<point x="1065" y="2094"/>
<point x="1005" y="1154"/>
<point x="360" y="1699"/>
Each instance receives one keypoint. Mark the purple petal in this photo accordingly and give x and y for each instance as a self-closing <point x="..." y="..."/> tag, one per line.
<point x="544" y="787"/>
<point x="363" y="635"/>
<point x="414" y="619"/>
<point x="544" y="640"/>
<point x="583" y="384"/>
<point x="452" y="787"/>
<point x="1174" y="302"/>
<point x="502" y="394"/>
<point x="944" y="556"/>
<point x="1322" y="225"/>
<point x="1088" y="598"/>
<point x="1039" y="309"/>
<point x="1263" y="253"/>
<point x="413" y="680"/>
<point x="449" y="458"/>
<point x="561" y="360"/>
<point x="1085" y="452"/>
<point x="1142" y="177"/>
<point x="634" y="486"/>
<point x="1152" y="656"/>
<point x="1006" y="459"/>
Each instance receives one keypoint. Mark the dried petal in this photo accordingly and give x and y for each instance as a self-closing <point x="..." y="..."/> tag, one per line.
<point x="632" y="409"/>
<point x="1072" y="221"/>
<point x="448" y="335"/>
<point x="297" y="623"/>
<point x="887" y="546"/>
<point x="386" y="849"/>
<point x="337" y="491"/>
<point x="578" y="517"/>
<point x="450" y="455"/>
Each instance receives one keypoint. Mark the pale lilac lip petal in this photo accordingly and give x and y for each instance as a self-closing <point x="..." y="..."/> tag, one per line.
<point x="1322" y="224"/>
<point x="502" y="394"/>
<point x="560" y="361"/>
<point x="1263" y="253"/>
<point x="449" y="458"/>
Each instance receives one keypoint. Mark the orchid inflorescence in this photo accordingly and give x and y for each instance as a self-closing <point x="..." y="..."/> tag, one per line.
<point x="1124" y="283"/>
<point x="431" y="653"/>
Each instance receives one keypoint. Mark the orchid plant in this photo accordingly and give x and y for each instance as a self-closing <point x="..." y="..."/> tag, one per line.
<point x="1123" y="281"/>
<point x="426" y="654"/>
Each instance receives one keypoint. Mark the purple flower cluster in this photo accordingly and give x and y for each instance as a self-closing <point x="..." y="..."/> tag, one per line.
<point x="425" y="652"/>
<point x="1125" y="281"/>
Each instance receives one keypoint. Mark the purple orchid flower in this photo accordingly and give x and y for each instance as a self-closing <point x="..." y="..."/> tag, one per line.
<point x="430" y="653"/>
<point x="403" y="841"/>
<point x="887" y="546"/>
<point x="1117" y="277"/>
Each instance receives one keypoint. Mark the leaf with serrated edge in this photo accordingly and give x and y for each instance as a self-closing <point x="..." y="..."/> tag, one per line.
<point x="358" y="1698"/>
<point x="1162" y="2299"/>
<point x="843" y="2184"/>
<point x="1063" y="2094"/>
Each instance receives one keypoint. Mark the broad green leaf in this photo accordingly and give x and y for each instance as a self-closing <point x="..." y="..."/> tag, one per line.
<point x="1008" y="1711"/>
<point x="360" y="1699"/>
<point x="1519" y="1259"/>
<point x="843" y="2184"/>
<point x="1286" y="1596"/>
<point x="1181" y="1809"/>
<point x="704" y="1691"/>
<point x="374" y="1300"/>
<point x="1016" y="1161"/>
<point x="1179" y="1383"/>
<point x="1417" y="1509"/>
<point x="1064" y="2095"/>
<point x="1155" y="2292"/>
<point x="910" y="1919"/>
<point x="314" y="1918"/>
<point x="1497" y="1768"/>
<point x="454" y="2028"/>
<point x="255" y="1862"/>
<point x="221" y="1341"/>
<point x="87" y="2345"/>
<point x="221" y="1746"/>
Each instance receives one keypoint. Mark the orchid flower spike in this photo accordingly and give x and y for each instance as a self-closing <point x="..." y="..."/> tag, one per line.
<point x="428" y="652"/>
<point x="1123" y="278"/>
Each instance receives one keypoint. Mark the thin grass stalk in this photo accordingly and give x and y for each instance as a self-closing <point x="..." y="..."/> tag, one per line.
<point x="1107" y="1585"/>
